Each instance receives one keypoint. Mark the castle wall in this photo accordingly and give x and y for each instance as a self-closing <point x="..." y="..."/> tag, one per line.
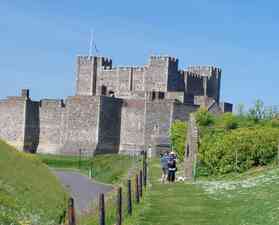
<point x="138" y="79"/>
<point x="212" y="76"/>
<point x="12" y="121"/>
<point x="157" y="122"/>
<point x="213" y="87"/>
<point x="32" y="126"/>
<point x="156" y="75"/>
<point x="86" y="75"/>
<point x="182" y="111"/>
<point x="226" y="107"/>
<point x="121" y="80"/>
<point x="124" y="82"/>
<point x="109" y="125"/>
<point x="80" y="124"/>
<point x="175" y="77"/>
<point x="194" y="84"/>
<point x="109" y="79"/>
<point x="132" y="126"/>
<point x="50" y="122"/>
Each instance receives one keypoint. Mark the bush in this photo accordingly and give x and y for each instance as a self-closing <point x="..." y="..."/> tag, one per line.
<point x="204" y="118"/>
<point x="238" y="150"/>
<point x="178" y="137"/>
<point x="228" y="121"/>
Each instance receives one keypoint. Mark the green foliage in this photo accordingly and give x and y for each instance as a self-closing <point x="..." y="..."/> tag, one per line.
<point x="178" y="137"/>
<point x="29" y="192"/>
<point x="257" y="112"/>
<point x="204" y="118"/>
<point x="109" y="168"/>
<point x="227" y="121"/>
<point x="238" y="150"/>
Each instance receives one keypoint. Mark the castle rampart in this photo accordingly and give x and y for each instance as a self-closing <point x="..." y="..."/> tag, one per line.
<point x="116" y="109"/>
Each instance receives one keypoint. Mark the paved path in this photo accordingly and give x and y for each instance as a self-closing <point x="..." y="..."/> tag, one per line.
<point x="82" y="189"/>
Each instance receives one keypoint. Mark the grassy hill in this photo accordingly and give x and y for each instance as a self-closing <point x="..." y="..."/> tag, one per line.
<point x="29" y="193"/>
<point x="108" y="168"/>
<point x="247" y="199"/>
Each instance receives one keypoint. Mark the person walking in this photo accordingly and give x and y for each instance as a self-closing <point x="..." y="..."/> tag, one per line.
<point x="164" y="166"/>
<point x="171" y="170"/>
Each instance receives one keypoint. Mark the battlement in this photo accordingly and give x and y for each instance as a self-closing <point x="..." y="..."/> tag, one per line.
<point x="193" y="74"/>
<point x="25" y="93"/>
<point x="101" y="61"/>
<point x="165" y="58"/>
<point x="205" y="70"/>
<point x="124" y="68"/>
<point x="52" y="103"/>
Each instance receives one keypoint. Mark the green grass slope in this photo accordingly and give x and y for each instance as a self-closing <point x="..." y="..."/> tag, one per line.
<point x="29" y="193"/>
<point x="251" y="199"/>
<point x="108" y="168"/>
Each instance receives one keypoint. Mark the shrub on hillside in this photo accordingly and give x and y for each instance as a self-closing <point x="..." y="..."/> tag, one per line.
<point x="204" y="118"/>
<point x="178" y="137"/>
<point x="238" y="150"/>
<point x="228" y="121"/>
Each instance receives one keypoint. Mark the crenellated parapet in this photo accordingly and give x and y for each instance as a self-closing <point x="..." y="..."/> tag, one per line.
<point x="205" y="70"/>
<point x="52" y="103"/>
<point x="102" y="61"/>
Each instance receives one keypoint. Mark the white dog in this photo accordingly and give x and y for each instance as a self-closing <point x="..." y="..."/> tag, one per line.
<point x="180" y="179"/>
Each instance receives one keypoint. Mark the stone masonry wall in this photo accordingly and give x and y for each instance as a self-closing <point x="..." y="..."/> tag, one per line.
<point x="157" y="121"/>
<point x="51" y="122"/>
<point x="80" y="124"/>
<point x="12" y="121"/>
<point x="156" y="75"/>
<point x="32" y="126"/>
<point x="175" y="77"/>
<point x="191" y="148"/>
<point x="182" y="111"/>
<point x="132" y="126"/>
<point x="86" y="72"/>
<point x="109" y="125"/>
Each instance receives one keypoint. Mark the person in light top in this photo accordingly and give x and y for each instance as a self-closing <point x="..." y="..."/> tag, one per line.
<point x="164" y="166"/>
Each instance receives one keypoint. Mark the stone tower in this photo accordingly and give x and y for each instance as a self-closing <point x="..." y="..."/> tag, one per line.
<point x="88" y="68"/>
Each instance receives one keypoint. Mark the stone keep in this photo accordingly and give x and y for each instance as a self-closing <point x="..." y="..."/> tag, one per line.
<point x="114" y="110"/>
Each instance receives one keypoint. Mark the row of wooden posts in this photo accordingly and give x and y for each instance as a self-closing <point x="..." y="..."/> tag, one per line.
<point x="140" y="184"/>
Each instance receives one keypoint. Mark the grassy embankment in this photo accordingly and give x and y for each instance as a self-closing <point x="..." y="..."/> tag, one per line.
<point x="247" y="199"/>
<point x="112" y="169"/>
<point x="29" y="193"/>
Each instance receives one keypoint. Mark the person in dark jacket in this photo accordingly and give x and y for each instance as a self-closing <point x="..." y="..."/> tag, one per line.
<point x="172" y="169"/>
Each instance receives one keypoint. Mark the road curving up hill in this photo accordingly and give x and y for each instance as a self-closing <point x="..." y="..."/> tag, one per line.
<point x="83" y="190"/>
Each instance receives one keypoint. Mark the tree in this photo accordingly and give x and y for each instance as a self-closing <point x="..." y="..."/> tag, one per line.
<point x="257" y="112"/>
<point x="178" y="137"/>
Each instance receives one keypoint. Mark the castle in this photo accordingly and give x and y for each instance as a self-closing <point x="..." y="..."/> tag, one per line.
<point x="114" y="110"/>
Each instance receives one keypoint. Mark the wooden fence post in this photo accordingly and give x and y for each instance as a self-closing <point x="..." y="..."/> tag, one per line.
<point x="137" y="189"/>
<point x="79" y="158"/>
<point x="129" y="197"/>
<point x="144" y="168"/>
<point x="140" y="183"/>
<point x="101" y="209"/>
<point x="119" y="207"/>
<point x="71" y="212"/>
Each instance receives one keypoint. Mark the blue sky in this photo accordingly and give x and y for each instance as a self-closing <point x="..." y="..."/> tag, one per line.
<point x="40" y="40"/>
